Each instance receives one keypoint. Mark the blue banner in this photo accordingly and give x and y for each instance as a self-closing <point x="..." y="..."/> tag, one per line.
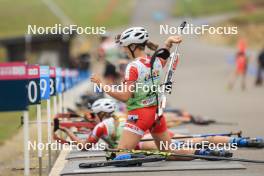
<point x="45" y="82"/>
<point x="13" y="87"/>
<point x="33" y="87"/>
<point x="59" y="82"/>
<point x="67" y="79"/>
<point x="52" y="81"/>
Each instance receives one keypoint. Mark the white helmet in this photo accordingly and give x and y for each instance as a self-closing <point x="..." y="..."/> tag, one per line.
<point x="133" y="35"/>
<point x="104" y="105"/>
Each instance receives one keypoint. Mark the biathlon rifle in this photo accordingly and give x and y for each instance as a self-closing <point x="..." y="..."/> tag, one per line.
<point x="56" y="127"/>
<point x="57" y="124"/>
<point x="78" y="125"/>
<point x="123" y="163"/>
<point x="155" y="156"/>
<point x="173" y="61"/>
<point x="71" y="114"/>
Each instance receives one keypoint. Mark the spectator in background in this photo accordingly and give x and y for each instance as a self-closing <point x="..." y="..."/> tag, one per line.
<point x="108" y="52"/>
<point x="111" y="76"/>
<point x="259" y="79"/>
<point x="241" y="63"/>
<point x="115" y="60"/>
<point x="84" y="61"/>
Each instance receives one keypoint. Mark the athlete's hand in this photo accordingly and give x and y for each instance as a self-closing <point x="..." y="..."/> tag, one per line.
<point x="96" y="79"/>
<point x="171" y="40"/>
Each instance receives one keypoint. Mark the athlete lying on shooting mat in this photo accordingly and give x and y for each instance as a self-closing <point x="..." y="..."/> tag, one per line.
<point x="110" y="128"/>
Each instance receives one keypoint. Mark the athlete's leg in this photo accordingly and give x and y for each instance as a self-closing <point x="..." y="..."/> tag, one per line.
<point x="163" y="142"/>
<point x="135" y="127"/>
<point x="239" y="141"/>
<point x="210" y="139"/>
<point x="148" y="145"/>
<point x="232" y="80"/>
<point x="128" y="140"/>
<point x="259" y="75"/>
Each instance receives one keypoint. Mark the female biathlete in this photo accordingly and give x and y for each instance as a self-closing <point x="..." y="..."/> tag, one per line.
<point x="109" y="127"/>
<point x="141" y="105"/>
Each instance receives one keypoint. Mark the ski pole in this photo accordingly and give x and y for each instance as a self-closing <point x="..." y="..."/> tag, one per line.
<point x="239" y="133"/>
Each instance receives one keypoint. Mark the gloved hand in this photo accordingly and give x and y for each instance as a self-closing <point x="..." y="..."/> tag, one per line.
<point x="123" y="156"/>
<point x="248" y="142"/>
<point x="128" y="156"/>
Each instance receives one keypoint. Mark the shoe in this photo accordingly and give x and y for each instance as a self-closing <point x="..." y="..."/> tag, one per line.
<point x="249" y="142"/>
<point x="255" y="142"/>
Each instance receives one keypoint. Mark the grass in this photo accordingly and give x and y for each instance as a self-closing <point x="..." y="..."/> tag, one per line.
<point x="10" y="121"/>
<point x="109" y="13"/>
<point x="2" y="54"/>
<point x="203" y="7"/>
<point x="9" y="125"/>
<point x="250" y="27"/>
<point x="16" y="15"/>
<point x="249" y="19"/>
<point x="256" y="17"/>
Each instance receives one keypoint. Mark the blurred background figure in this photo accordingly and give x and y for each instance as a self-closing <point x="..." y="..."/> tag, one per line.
<point x="108" y="54"/>
<point x="259" y="79"/>
<point x="84" y="61"/>
<point x="115" y="61"/>
<point x="241" y="63"/>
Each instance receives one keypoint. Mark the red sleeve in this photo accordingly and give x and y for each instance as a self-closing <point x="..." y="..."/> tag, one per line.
<point x="99" y="131"/>
<point x="131" y="73"/>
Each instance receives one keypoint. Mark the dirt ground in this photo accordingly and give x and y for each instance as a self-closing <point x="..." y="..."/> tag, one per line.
<point x="11" y="160"/>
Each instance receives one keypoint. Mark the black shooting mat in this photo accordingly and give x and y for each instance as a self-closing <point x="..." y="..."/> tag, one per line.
<point x="72" y="167"/>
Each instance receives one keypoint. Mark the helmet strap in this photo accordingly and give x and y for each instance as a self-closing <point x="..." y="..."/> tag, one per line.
<point x="132" y="50"/>
<point x="104" y="115"/>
